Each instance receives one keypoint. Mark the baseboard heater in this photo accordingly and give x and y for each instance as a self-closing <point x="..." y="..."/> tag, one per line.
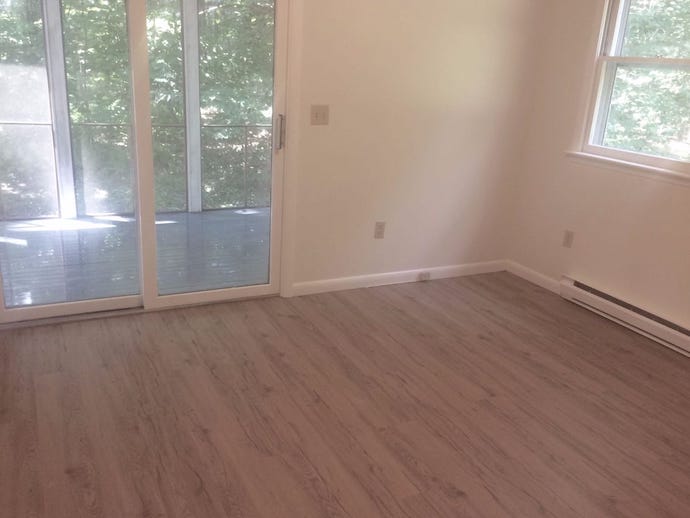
<point x="643" y="322"/>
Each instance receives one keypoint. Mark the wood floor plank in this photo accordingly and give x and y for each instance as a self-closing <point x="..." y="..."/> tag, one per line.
<point x="483" y="396"/>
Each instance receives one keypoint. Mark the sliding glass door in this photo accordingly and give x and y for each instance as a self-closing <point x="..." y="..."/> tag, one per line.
<point x="212" y="84"/>
<point x="104" y="205"/>
<point x="67" y="226"/>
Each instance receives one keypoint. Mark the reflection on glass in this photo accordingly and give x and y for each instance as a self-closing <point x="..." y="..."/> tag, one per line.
<point x="28" y="187"/>
<point x="27" y="168"/>
<point x="97" y="65"/>
<point x="54" y="260"/>
<point x="102" y="169"/>
<point x="215" y="249"/>
<point x="22" y="63"/>
<point x="661" y="101"/>
<point x="19" y="83"/>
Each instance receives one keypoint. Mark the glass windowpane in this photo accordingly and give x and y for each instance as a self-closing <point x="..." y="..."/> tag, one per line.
<point x="23" y="76"/>
<point x="236" y="61"/>
<point x="658" y="28"/>
<point x="98" y="86"/>
<point x="650" y="111"/>
<point x="164" y="29"/>
<point x="102" y="169"/>
<point x="222" y="163"/>
<point x="170" y="168"/>
<point x="27" y="172"/>
<point x="227" y="243"/>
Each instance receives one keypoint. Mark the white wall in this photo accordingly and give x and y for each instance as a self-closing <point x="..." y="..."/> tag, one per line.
<point x="450" y="120"/>
<point x="632" y="232"/>
<point x="427" y="100"/>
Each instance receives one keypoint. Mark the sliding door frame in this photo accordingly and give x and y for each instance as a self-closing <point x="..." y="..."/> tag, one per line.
<point x="142" y="152"/>
<point x="151" y="297"/>
<point x="59" y="105"/>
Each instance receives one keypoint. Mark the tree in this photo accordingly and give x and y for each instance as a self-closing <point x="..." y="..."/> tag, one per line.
<point x="25" y="148"/>
<point x="236" y="89"/>
<point x="650" y="106"/>
<point x="236" y="70"/>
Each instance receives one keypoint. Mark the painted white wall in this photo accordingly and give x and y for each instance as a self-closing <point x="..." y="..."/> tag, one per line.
<point x="632" y="233"/>
<point x="450" y="120"/>
<point x="427" y="101"/>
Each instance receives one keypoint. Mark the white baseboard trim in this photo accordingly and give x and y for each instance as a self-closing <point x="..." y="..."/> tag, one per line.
<point x="441" y="272"/>
<point x="383" y="279"/>
<point x="533" y="276"/>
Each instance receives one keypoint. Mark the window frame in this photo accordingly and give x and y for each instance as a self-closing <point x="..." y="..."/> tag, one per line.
<point x="59" y="105"/>
<point x="611" y="36"/>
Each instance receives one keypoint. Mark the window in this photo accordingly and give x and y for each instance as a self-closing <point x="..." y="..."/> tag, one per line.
<point x="642" y="113"/>
<point x="26" y="132"/>
<point x="68" y="152"/>
<point x="211" y="69"/>
<point x="65" y="109"/>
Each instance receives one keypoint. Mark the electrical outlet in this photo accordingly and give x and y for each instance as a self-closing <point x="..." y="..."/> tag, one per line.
<point x="320" y="115"/>
<point x="568" y="239"/>
<point x="379" y="230"/>
<point x="424" y="276"/>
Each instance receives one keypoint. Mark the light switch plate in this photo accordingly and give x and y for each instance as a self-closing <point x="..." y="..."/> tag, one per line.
<point x="320" y="114"/>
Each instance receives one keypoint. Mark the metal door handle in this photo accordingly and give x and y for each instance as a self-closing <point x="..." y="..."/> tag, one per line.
<point x="280" y="134"/>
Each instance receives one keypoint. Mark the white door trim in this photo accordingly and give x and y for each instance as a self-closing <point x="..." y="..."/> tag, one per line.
<point x="293" y="45"/>
<point x="151" y="298"/>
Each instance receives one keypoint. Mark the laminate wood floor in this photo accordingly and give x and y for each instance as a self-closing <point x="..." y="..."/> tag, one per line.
<point x="482" y="396"/>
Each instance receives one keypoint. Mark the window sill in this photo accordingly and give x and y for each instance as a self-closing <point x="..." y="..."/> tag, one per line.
<point x="637" y="169"/>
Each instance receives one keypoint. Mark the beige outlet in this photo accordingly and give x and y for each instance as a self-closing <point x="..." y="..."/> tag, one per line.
<point x="568" y="238"/>
<point x="379" y="230"/>
<point x="320" y="115"/>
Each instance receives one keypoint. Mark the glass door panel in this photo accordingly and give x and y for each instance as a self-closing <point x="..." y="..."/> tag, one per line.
<point x="27" y="163"/>
<point x="70" y="223"/>
<point x="164" y="28"/>
<point x="67" y="226"/>
<point x="211" y="69"/>
<point x="98" y="88"/>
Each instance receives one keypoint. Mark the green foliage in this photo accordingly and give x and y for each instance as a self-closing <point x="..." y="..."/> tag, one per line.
<point x="236" y="167"/>
<point x="166" y="69"/>
<point x="97" y="61"/>
<point x="21" y="33"/>
<point x="650" y="106"/>
<point x="236" y="61"/>
<point x="102" y="169"/>
<point x="166" y="61"/>
<point x="236" y="86"/>
<point x="98" y="88"/>
<point x="25" y="151"/>
<point x="650" y="112"/>
<point x="658" y="28"/>
<point x="236" y="91"/>
<point x="27" y="172"/>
